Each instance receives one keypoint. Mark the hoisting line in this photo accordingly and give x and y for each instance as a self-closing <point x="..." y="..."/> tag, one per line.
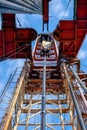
<point x="46" y="45"/>
<point x="43" y="105"/>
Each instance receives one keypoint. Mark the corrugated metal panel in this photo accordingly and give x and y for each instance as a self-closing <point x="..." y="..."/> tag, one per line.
<point x="21" y="6"/>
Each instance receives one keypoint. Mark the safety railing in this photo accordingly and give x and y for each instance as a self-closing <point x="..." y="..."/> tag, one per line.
<point x="8" y="92"/>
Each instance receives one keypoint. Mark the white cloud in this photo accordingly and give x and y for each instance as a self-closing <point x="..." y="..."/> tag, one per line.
<point x="83" y="50"/>
<point x="27" y="20"/>
<point x="57" y="8"/>
<point x="21" y="20"/>
<point x="63" y="14"/>
<point x="8" y="67"/>
<point x="82" y="54"/>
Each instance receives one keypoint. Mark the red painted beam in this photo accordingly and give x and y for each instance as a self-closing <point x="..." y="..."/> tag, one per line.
<point x="13" y="40"/>
<point x="26" y="35"/>
<point x="45" y="9"/>
<point x="8" y="21"/>
<point x="71" y="33"/>
<point x="81" y="22"/>
<point x="81" y="9"/>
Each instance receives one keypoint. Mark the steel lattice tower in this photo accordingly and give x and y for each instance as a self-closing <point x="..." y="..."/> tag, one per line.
<point x="47" y="93"/>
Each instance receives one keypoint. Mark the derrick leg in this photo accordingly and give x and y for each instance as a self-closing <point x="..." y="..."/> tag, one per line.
<point x="58" y="100"/>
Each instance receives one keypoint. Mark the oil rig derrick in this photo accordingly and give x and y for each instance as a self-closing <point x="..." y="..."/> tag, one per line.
<point x="50" y="91"/>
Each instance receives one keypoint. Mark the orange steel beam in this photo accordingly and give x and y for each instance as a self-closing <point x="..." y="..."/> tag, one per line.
<point x="12" y="39"/>
<point x="71" y="33"/>
<point x="45" y="10"/>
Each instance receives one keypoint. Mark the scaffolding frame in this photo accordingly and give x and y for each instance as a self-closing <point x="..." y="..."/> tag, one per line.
<point x="26" y="106"/>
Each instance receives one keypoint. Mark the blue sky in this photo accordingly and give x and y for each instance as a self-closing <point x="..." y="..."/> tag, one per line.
<point x="57" y="12"/>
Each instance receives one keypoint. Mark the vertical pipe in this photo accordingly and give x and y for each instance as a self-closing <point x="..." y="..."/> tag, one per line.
<point x="83" y="97"/>
<point x="43" y="107"/>
<point x="79" y="116"/>
<point x="45" y="12"/>
<point x="78" y="79"/>
<point x="75" y="10"/>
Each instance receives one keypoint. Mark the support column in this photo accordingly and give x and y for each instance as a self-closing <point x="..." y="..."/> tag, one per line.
<point x="78" y="79"/>
<point x="28" y="114"/>
<point x="79" y="116"/>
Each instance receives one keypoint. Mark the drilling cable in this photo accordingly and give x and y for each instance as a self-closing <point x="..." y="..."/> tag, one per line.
<point x="43" y="107"/>
<point x="13" y="53"/>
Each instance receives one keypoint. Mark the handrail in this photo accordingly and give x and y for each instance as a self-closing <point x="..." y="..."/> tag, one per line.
<point x="7" y="85"/>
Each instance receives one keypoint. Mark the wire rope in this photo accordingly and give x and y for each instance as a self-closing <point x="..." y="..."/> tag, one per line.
<point x="9" y="52"/>
<point x="14" y="52"/>
<point x="18" y="21"/>
<point x="66" y="8"/>
<point x="64" y="11"/>
<point x="27" y="23"/>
